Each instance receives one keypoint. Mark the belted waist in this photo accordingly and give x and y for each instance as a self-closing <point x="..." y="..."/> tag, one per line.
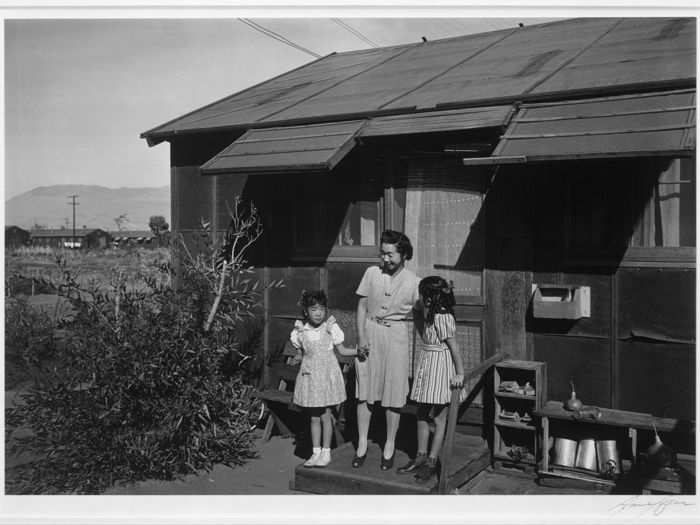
<point x="385" y="322"/>
<point x="433" y="348"/>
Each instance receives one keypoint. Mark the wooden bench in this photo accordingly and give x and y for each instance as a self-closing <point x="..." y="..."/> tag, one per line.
<point x="277" y="392"/>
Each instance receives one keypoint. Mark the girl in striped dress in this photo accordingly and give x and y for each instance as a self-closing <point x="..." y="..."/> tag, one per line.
<point x="439" y="369"/>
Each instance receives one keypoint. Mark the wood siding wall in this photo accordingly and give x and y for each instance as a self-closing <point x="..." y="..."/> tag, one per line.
<point x="527" y="219"/>
<point x="637" y="350"/>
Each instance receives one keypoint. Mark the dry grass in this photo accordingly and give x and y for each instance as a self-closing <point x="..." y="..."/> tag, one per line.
<point x="99" y="267"/>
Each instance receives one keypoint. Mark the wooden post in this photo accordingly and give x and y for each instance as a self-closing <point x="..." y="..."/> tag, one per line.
<point x="453" y="414"/>
<point x="266" y="325"/>
<point x="632" y="433"/>
<point x="448" y="444"/>
<point x="545" y="444"/>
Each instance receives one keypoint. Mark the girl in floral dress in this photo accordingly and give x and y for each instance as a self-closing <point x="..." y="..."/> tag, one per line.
<point x="439" y="369"/>
<point x="319" y="385"/>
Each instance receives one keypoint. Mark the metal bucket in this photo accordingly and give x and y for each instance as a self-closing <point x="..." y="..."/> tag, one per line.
<point x="608" y="458"/>
<point x="586" y="455"/>
<point x="564" y="452"/>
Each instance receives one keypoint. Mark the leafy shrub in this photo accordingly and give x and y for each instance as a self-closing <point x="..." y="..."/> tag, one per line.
<point x="146" y="385"/>
<point x="29" y="340"/>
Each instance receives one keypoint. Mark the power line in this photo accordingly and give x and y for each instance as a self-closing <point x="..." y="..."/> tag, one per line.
<point x="278" y="37"/>
<point x="353" y="31"/>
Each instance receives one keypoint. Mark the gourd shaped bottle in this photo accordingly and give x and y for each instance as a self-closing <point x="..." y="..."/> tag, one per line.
<point x="573" y="403"/>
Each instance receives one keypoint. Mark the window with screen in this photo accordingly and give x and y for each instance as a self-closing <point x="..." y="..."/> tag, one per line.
<point x="338" y="217"/>
<point x="360" y="226"/>
<point x="668" y="218"/>
<point x="631" y="210"/>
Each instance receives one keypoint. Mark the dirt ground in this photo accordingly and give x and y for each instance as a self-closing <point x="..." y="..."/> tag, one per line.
<point x="272" y="471"/>
<point x="269" y="474"/>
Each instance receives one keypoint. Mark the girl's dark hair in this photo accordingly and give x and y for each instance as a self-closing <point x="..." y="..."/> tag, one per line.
<point x="403" y="243"/>
<point x="437" y="296"/>
<point x="312" y="298"/>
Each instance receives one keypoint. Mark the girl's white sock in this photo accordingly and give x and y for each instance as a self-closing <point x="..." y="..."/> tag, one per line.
<point x="325" y="458"/>
<point x="311" y="462"/>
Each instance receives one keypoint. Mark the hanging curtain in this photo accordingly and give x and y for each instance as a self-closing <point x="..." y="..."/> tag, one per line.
<point x="669" y="205"/>
<point x="438" y="222"/>
<point x="368" y="223"/>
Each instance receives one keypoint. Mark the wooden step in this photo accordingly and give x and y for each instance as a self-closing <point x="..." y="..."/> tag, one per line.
<point x="470" y="456"/>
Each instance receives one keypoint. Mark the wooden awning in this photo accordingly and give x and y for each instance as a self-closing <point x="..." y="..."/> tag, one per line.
<point x="438" y="121"/>
<point x="651" y="124"/>
<point x="314" y="147"/>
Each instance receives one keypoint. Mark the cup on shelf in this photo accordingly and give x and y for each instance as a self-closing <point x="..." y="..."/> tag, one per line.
<point x="609" y="464"/>
<point x="564" y="452"/>
<point x="586" y="455"/>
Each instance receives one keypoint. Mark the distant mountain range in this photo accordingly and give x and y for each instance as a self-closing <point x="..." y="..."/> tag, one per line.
<point x="97" y="207"/>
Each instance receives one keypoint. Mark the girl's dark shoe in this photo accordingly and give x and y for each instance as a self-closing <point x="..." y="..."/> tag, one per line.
<point x="413" y="465"/>
<point x="426" y="471"/>
<point x="388" y="463"/>
<point x="358" y="461"/>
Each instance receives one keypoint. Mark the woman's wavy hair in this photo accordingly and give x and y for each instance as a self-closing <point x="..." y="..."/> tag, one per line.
<point x="437" y="296"/>
<point x="403" y="243"/>
<point x="311" y="298"/>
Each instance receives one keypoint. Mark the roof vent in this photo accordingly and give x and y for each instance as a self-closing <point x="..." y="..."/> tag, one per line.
<point x="672" y="29"/>
<point x="537" y="62"/>
<point x="281" y="93"/>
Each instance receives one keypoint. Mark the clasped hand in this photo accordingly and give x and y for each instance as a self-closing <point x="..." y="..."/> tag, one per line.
<point x="457" y="381"/>
<point x="362" y="352"/>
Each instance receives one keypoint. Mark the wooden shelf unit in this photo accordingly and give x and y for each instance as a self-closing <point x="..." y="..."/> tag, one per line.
<point x="620" y="422"/>
<point x="512" y="436"/>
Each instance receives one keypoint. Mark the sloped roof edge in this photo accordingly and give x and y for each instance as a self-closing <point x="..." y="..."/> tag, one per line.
<point x="217" y="121"/>
<point x="154" y="137"/>
<point x="153" y="132"/>
<point x="689" y="82"/>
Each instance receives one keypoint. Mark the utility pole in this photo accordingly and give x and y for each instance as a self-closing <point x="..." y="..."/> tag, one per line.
<point x="74" y="204"/>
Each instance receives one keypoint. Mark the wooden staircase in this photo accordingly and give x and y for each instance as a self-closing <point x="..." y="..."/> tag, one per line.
<point x="462" y="457"/>
<point x="471" y="456"/>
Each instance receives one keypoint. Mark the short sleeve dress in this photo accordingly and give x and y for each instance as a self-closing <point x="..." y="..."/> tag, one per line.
<point x="320" y="381"/>
<point x="435" y="367"/>
<point x="383" y="376"/>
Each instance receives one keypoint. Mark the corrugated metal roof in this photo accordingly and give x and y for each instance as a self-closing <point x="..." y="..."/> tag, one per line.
<point x="581" y="56"/>
<point x="311" y="147"/>
<point x="645" y="124"/>
<point x="438" y="121"/>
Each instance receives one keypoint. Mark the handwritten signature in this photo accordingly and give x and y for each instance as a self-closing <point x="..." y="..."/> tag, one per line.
<point x="656" y="507"/>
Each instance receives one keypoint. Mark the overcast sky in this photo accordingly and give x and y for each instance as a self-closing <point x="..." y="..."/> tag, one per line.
<point x="79" y="92"/>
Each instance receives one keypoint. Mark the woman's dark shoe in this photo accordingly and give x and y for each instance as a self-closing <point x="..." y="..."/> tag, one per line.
<point x="426" y="471"/>
<point x="388" y="463"/>
<point x="413" y="465"/>
<point x="358" y="461"/>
